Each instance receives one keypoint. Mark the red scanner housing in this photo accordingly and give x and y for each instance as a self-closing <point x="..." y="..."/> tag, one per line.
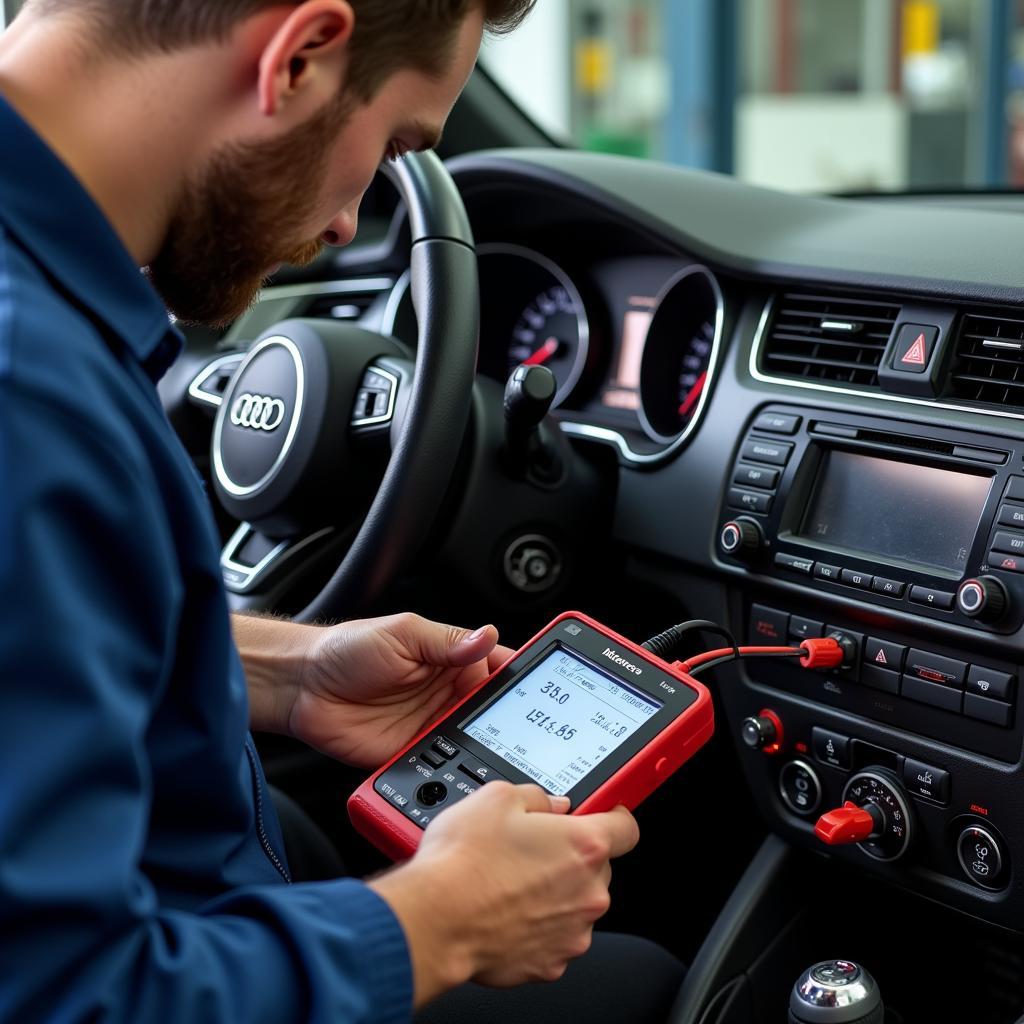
<point x="664" y="746"/>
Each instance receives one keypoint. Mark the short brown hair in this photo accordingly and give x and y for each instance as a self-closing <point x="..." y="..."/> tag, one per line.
<point x="389" y="34"/>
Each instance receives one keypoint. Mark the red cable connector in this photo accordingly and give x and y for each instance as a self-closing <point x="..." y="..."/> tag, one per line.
<point x="816" y="653"/>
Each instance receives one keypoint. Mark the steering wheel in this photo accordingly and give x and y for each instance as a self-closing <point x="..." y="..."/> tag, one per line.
<point x="295" y="435"/>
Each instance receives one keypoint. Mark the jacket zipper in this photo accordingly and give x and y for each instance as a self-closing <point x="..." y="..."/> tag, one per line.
<point x="261" y="830"/>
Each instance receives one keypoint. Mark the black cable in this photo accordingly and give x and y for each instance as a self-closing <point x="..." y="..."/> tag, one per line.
<point x="664" y="644"/>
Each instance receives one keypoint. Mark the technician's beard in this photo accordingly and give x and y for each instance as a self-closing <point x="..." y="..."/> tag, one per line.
<point x="231" y="225"/>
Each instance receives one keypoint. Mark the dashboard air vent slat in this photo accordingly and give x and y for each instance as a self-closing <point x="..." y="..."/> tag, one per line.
<point x="828" y="337"/>
<point x="988" y="360"/>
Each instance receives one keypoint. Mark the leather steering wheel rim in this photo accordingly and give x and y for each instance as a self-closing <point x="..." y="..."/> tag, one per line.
<point x="425" y="447"/>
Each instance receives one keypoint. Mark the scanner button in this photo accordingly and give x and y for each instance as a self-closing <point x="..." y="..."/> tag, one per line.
<point x="432" y="759"/>
<point x="444" y="747"/>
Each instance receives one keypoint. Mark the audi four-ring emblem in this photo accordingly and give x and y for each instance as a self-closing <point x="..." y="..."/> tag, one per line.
<point x="257" y="412"/>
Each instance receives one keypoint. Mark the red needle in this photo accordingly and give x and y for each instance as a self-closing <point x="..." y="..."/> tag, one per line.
<point x="691" y="399"/>
<point x="544" y="353"/>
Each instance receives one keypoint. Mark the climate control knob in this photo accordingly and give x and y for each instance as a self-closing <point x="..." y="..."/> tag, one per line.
<point x="741" y="537"/>
<point x="983" y="598"/>
<point x="875" y="815"/>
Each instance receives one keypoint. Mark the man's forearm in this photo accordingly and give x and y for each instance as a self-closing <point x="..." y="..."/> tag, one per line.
<point x="274" y="654"/>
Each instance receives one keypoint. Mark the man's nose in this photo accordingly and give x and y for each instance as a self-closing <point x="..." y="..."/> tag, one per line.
<point x="342" y="228"/>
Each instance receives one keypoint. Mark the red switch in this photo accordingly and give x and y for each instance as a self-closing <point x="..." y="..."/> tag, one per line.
<point x="847" y="824"/>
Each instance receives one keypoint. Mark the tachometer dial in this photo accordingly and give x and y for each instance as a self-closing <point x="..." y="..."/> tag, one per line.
<point x="531" y="313"/>
<point x="678" y="354"/>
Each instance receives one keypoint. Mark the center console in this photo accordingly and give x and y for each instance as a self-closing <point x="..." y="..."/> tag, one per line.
<point x="907" y="541"/>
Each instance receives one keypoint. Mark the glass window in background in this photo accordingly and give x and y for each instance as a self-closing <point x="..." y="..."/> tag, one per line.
<point x="808" y="95"/>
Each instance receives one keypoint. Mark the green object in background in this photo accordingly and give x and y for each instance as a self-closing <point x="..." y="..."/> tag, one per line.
<point x="606" y="140"/>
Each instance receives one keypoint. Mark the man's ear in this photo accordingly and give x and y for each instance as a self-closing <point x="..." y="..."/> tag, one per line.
<point x="304" y="62"/>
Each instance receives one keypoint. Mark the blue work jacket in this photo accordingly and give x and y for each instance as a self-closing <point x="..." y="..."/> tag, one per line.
<point x="142" y="871"/>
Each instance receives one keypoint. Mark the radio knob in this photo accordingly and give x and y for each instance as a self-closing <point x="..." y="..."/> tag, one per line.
<point x="983" y="598"/>
<point x="741" y="537"/>
<point x="762" y="732"/>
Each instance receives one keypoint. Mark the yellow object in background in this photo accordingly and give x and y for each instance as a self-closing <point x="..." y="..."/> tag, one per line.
<point x="593" y="66"/>
<point x="922" y="24"/>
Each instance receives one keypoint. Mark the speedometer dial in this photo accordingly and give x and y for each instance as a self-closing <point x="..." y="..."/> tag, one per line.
<point x="532" y="313"/>
<point x="678" y="354"/>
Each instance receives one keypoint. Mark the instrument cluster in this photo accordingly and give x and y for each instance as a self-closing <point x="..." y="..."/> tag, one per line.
<point x="633" y="342"/>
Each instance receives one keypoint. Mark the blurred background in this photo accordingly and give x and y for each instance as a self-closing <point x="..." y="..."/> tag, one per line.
<point x="807" y="95"/>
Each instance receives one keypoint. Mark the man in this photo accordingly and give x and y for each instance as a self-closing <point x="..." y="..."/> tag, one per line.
<point x="141" y="867"/>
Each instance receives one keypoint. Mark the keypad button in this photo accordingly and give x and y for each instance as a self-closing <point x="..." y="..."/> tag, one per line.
<point x="1015" y="488"/>
<point x="934" y="668"/>
<point x="759" y="449"/>
<point x="884" y="654"/>
<point x="831" y="747"/>
<point x="890" y="588"/>
<point x="756" y="476"/>
<point x="750" y="501"/>
<point x="926" y="780"/>
<point x="936" y="694"/>
<point x="994" y="712"/>
<point x="794" y="563"/>
<point x="880" y="679"/>
<point x="933" y="598"/>
<point x="987" y="682"/>
<point x="827" y="572"/>
<point x="445" y="747"/>
<point x="855" y="578"/>
<point x="1011" y="515"/>
<point x="805" y="629"/>
<point x="777" y="423"/>
<point x="768" y="625"/>
<point x="1009" y="543"/>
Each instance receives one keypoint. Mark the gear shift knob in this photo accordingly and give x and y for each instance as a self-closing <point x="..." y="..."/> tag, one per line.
<point x="836" y="992"/>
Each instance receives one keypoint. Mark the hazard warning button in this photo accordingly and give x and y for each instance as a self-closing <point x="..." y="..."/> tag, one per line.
<point x="914" y="345"/>
<point x="884" y="654"/>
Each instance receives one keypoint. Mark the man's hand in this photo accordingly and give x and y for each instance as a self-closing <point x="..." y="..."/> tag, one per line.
<point x="368" y="687"/>
<point x="504" y="891"/>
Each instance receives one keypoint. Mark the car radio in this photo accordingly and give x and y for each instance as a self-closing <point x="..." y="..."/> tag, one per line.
<point x="911" y="517"/>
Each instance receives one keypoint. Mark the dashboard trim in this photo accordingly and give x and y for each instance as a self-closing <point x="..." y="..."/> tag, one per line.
<point x="758" y="374"/>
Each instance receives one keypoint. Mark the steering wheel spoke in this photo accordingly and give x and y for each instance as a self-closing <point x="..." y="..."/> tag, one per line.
<point x="250" y="560"/>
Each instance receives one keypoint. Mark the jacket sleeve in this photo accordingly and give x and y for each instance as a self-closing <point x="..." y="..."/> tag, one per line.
<point x="84" y="633"/>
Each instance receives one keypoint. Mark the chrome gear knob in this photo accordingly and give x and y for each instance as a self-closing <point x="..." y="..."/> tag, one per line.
<point x="836" y="992"/>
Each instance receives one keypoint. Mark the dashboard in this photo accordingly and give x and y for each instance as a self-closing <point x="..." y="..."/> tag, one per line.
<point x="815" y="408"/>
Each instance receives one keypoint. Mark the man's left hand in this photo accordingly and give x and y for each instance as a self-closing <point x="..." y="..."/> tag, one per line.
<point x="370" y="686"/>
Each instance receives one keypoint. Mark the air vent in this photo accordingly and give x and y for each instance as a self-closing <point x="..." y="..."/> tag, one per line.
<point x="988" y="363"/>
<point x="828" y="337"/>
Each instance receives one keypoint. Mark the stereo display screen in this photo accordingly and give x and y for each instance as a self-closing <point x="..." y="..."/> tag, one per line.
<point x="895" y="511"/>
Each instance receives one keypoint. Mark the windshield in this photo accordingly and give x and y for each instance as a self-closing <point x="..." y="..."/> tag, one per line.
<point x="804" y="95"/>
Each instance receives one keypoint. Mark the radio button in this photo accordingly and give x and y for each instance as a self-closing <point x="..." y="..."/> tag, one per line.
<point x="805" y="629"/>
<point x="794" y="563"/>
<point x="986" y="682"/>
<point x="852" y="578"/>
<point x="830" y="747"/>
<point x="891" y="588"/>
<point x="777" y="423"/>
<point x="776" y="453"/>
<point x="936" y="598"/>
<point x="936" y="694"/>
<point x="768" y="624"/>
<point x="925" y="780"/>
<point x="1015" y="488"/>
<point x="1010" y="543"/>
<point x="878" y="678"/>
<point x="827" y="572"/>
<point x="1011" y="515"/>
<point x="884" y="654"/>
<point x="933" y="668"/>
<point x="993" y="711"/>
<point x="756" y="476"/>
<point x="750" y="501"/>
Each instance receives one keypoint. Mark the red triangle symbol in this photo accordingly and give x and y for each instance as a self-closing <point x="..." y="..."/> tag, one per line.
<point x="881" y="658"/>
<point x="915" y="354"/>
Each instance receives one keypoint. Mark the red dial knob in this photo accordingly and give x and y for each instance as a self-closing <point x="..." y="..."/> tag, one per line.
<point x="848" y="824"/>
